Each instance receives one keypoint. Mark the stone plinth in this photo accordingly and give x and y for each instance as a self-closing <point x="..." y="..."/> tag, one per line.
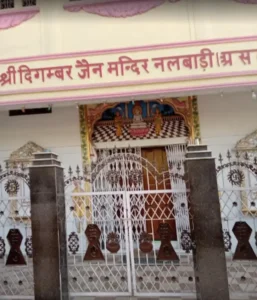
<point x="48" y="228"/>
<point x="209" y="253"/>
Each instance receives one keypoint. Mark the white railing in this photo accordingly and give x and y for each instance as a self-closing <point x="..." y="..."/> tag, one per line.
<point x="129" y="214"/>
<point x="239" y="205"/>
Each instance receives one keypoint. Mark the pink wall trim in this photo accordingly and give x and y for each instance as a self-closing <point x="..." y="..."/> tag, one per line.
<point x="128" y="94"/>
<point x="78" y="3"/>
<point x="13" y="11"/>
<point x="115" y="9"/>
<point x="14" y="18"/>
<point x="129" y="83"/>
<point x="130" y="49"/>
<point x="112" y="96"/>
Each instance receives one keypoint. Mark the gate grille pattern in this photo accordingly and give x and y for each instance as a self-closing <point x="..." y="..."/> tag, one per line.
<point x="128" y="214"/>
<point x="15" y="281"/>
<point x="108" y="211"/>
<point x="146" y="211"/>
<point x="237" y="180"/>
<point x="120" y="204"/>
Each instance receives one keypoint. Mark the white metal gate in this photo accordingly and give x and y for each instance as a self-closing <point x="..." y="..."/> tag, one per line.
<point x="150" y="274"/>
<point x="130" y="216"/>
<point x="16" y="275"/>
<point x="113" y="274"/>
<point x="237" y="181"/>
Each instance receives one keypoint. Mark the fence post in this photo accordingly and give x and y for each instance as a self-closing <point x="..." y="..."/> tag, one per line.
<point x="206" y="227"/>
<point x="48" y="228"/>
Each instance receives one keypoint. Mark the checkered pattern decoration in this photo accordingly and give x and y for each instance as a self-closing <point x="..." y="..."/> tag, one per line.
<point x="170" y="129"/>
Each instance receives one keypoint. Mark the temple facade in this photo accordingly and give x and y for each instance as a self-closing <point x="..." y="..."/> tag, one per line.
<point x="119" y="90"/>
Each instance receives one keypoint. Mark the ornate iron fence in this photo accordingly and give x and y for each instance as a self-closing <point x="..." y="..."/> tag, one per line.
<point x="16" y="276"/>
<point x="237" y="181"/>
<point x="129" y="218"/>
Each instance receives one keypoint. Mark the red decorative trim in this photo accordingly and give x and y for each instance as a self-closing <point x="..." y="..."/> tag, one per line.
<point x="115" y="8"/>
<point x="131" y="49"/>
<point x="128" y="83"/>
<point x="12" y="17"/>
<point x="112" y="96"/>
<point x="139" y="93"/>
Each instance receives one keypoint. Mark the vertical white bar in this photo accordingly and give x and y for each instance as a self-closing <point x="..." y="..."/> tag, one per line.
<point x="130" y="245"/>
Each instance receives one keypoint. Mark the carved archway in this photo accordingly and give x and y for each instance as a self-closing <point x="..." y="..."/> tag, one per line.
<point x="124" y="171"/>
<point x="185" y="107"/>
<point x="24" y="155"/>
<point x="181" y="107"/>
<point x="247" y="144"/>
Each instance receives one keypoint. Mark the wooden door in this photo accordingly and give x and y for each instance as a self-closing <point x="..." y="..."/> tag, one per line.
<point x="161" y="204"/>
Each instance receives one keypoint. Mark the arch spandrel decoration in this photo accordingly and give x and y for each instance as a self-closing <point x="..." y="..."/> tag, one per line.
<point x="15" y="185"/>
<point x="11" y="18"/>
<point x="246" y="151"/>
<point x="247" y="144"/>
<point x="24" y="154"/>
<point x="185" y="107"/>
<point x="139" y="120"/>
<point x="181" y="107"/>
<point x="115" y="8"/>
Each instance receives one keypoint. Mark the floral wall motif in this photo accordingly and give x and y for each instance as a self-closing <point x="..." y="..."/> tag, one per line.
<point x="9" y="19"/>
<point x="196" y="134"/>
<point x="83" y="134"/>
<point x="85" y="142"/>
<point x="116" y="8"/>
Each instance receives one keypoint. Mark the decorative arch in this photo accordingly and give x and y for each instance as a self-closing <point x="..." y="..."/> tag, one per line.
<point x="12" y="18"/>
<point x="24" y="154"/>
<point x="181" y="108"/>
<point x="186" y="107"/>
<point x="15" y="182"/>
<point x="115" y="8"/>
<point x="121" y="171"/>
<point x="248" y="143"/>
